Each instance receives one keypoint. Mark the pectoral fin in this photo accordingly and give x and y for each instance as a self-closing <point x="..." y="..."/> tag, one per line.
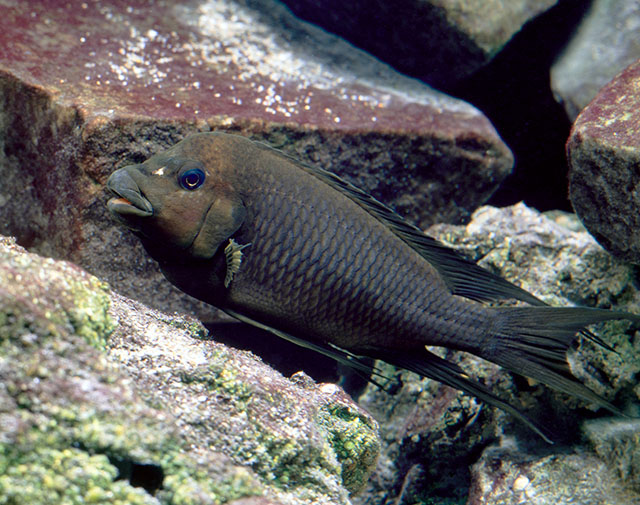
<point x="233" y="254"/>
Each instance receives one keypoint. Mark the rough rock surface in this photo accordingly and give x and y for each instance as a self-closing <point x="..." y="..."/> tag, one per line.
<point x="156" y="414"/>
<point x="433" y="434"/>
<point x="502" y="477"/>
<point x="439" y="41"/>
<point x="603" y="45"/>
<point x="86" y="88"/>
<point x="604" y="154"/>
<point x="615" y="441"/>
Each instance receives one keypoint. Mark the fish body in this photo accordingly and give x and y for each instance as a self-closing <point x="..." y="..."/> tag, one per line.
<point x="296" y="250"/>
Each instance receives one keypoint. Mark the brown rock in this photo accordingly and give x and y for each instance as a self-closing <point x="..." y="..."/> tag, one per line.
<point x="88" y="87"/>
<point x="604" y="153"/>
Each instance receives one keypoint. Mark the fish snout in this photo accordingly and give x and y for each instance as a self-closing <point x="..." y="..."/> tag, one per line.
<point x="129" y="200"/>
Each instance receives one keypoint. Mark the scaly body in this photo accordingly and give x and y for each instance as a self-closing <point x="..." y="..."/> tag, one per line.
<point x="300" y="252"/>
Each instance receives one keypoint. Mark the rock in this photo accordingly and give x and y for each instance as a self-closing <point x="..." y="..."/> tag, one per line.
<point x="605" y="42"/>
<point x="562" y="267"/>
<point x="604" y="152"/>
<point x="438" y="41"/>
<point x="513" y="91"/>
<point x="433" y="435"/>
<point x="616" y="442"/>
<point x="103" y="400"/>
<point x="125" y="81"/>
<point x="509" y="478"/>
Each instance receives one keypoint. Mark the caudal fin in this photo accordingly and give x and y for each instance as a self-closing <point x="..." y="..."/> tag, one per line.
<point x="533" y="341"/>
<point x="530" y="341"/>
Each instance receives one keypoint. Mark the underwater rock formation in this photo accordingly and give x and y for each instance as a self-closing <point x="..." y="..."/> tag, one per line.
<point x="103" y="400"/>
<point x="124" y="81"/>
<point x="434" y="435"/>
<point x="438" y="41"/>
<point x="504" y="477"/>
<point x="604" y="153"/>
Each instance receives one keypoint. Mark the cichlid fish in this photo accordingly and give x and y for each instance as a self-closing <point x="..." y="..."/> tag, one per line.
<point x="300" y="252"/>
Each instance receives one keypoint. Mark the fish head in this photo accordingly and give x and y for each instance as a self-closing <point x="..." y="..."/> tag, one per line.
<point x="178" y="202"/>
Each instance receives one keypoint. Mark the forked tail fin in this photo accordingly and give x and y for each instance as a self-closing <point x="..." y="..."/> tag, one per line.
<point x="530" y="341"/>
<point x="533" y="341"/>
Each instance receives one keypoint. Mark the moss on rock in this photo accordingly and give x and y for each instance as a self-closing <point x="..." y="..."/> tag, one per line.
<point x="58" y="297"/>
<point x="355" y="441"/>
<point x="73" y="428"/>
<point x="103" y="400"/>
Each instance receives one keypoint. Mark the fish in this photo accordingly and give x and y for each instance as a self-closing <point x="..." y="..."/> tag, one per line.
<point x="300" y="252"/>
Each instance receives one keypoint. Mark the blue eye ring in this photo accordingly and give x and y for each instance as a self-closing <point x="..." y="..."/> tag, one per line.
<point x="191" y="179"/>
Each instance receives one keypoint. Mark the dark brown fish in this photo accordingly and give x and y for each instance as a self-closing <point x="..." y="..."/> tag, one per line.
<point x="300" y="252"/>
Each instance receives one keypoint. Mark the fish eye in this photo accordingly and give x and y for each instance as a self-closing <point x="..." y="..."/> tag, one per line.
<point x="191" y="179"/>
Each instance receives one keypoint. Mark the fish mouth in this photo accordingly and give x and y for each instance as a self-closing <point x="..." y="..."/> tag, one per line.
<point x="129" y="200"/>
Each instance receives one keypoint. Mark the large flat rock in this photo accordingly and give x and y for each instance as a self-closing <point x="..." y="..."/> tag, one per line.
<point x="88" y="87"/>
<point x="604" y="153"/>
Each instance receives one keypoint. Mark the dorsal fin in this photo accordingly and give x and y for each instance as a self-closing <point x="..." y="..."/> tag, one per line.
<point x="463" y="276"/>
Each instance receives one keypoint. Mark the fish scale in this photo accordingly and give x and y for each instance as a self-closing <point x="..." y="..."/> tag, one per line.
<point x="297" y="251"/>
<point x="382" y="294"/>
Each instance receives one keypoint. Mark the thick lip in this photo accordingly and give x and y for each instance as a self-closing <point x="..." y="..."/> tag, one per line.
<point x="129" y="200"/>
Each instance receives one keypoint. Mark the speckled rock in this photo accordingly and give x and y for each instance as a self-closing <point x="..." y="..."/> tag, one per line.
<point x="433" y="435"/>
<point x="73" y="428"/>
<point x="502" y="477"/>
<point x="604" y="153"/>
<point x="617" y="442"/>
<point x="302" y="438"/>
<point x="87" y="88"/>
<point x="439" y="41"/>
<point x="603" y="45"/>
<point x="103" y="400"/>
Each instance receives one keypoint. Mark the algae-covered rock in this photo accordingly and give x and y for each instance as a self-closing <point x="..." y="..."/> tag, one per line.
<point x="299" y="438"/>
<point x="433" y="434"/>
<point x="73" y="429"/>
<point x="103" y="400"/>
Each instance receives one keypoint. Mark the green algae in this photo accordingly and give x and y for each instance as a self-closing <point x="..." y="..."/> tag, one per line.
<point x="89" y="314"/>
<point x="354" y="440"/>
<point x="46" y="476"/>
<point x="70" y="423"/>
<point x="50" y="298"/>
<point x="46" y="467"/>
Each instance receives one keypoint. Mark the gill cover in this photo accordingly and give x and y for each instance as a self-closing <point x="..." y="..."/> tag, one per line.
<point x="224" y="217"/>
